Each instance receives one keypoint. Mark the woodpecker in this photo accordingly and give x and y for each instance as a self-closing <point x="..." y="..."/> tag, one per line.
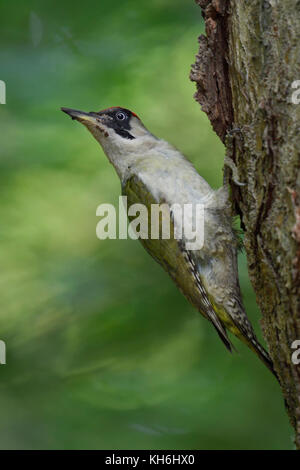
<point x="152" y="171"/>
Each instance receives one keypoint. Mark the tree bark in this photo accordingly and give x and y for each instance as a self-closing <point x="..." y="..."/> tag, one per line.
<point x="244" y="72"/>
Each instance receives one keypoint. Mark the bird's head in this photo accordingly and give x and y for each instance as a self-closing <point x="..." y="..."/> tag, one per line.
<point x="112" y="126"/>
<point x="119" y="131"/>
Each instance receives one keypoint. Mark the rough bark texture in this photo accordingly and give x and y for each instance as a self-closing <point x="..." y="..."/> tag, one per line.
<point x="244" y="73"/>
<point x="210" y="72"/>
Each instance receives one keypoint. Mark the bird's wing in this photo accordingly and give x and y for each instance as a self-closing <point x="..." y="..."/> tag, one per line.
<point x="172" y="255"/>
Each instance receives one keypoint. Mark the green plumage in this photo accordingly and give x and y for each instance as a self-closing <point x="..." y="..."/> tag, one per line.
<point x="183" y="267"/>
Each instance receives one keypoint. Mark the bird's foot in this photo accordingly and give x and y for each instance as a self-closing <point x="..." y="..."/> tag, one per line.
<point x="235" y="177"/>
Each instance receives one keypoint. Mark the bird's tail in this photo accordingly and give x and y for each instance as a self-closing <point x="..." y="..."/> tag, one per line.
<point x="262" y="354"/>
<point x="244" y="331"/>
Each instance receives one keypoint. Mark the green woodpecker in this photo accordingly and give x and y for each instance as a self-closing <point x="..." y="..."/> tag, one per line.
<point x="153" y="172"/>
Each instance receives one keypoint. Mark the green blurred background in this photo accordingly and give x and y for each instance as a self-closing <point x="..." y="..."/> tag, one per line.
<point x="102" y="350"/>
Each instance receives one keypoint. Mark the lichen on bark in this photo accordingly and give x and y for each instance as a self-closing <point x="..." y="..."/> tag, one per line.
<point x="252" y="49"/>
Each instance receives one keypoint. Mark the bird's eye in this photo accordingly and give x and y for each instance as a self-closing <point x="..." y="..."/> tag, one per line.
<point x="120" y="116"/>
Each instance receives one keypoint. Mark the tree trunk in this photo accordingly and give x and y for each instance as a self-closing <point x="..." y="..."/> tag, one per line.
<point x="245" y="72"/>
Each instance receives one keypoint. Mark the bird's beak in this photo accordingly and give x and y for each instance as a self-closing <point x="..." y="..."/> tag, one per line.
<point x="81" y="116"/>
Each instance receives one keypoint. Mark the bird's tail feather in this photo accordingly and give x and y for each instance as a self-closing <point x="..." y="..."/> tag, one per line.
<point x="263" y="355"/>
<point x="224" y="338"/>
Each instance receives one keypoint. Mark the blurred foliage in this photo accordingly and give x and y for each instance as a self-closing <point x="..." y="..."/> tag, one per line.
<point x="102" y="350"/>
